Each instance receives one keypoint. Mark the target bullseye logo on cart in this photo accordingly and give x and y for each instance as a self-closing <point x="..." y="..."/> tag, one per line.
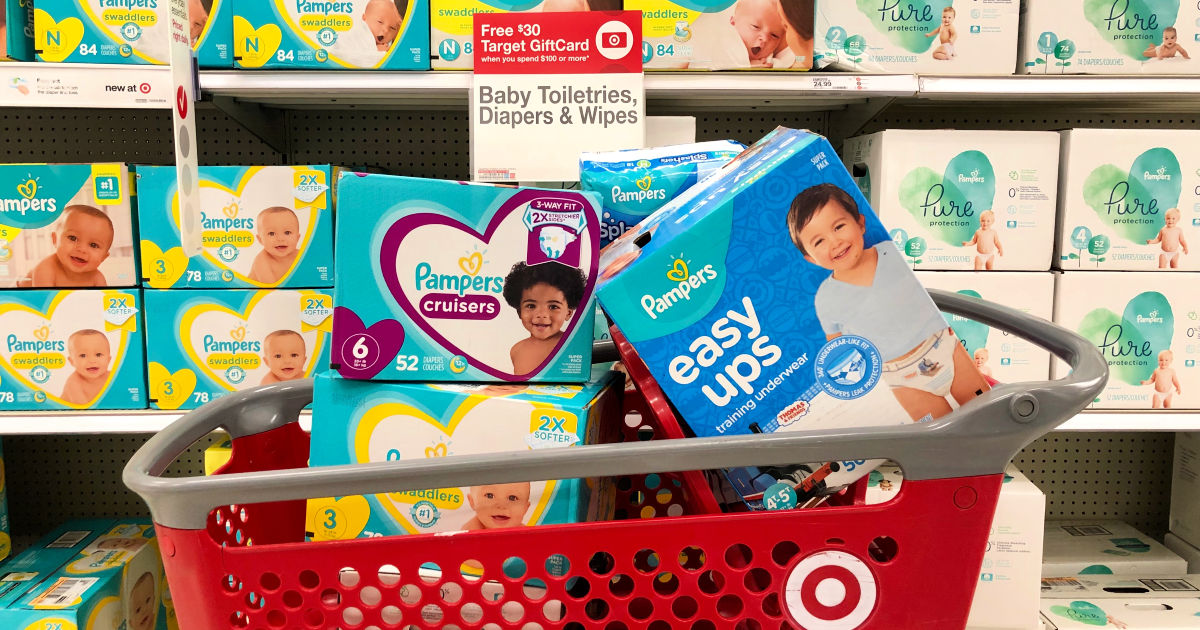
<point x="831" y="590"/>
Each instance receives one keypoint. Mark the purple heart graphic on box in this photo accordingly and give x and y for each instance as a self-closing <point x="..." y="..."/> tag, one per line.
<point x="465" y="282"/>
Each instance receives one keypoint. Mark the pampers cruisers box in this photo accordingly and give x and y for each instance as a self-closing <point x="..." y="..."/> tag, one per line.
<point x="360" y="422"/>
<point x="1145" y="326"/>
<point x="1129" y="200"/>
<point x="699" y="288"/>
<point x="332" y="34"/>
<point x="963" y="200"/>
<point x="261" y="227"/>
<point x="463" y="282"/>
<point x="205" y="344"/>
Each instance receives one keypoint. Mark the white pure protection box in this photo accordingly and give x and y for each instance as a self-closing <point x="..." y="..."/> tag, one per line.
<point x="1109" y="37"/>
<point x="1104" y="548"/>
<point x="928" y="37"/>
<point x="1008" y="592"/>
<point x="962" y="200"/>
<point x="1130" y="200"/>
<point x="1185" y="489"/>
<point x="1190" y="554"/>
<point x="1150" y="601"/>
<point x="1145" y="325"/>
<point x="1000" y="355"/>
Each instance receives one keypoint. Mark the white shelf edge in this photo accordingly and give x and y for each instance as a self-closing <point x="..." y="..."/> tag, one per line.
<point x="69" y="85"/>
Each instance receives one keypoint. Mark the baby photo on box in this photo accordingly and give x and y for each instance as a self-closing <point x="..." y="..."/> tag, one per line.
<point x="726" y="34"/>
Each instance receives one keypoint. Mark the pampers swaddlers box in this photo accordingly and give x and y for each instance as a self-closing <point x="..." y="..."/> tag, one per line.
<point x="463" y="282"/>
<point x="211" y="29"/>
<point x="1129" y="200"/>
<point x="206" y="344"/>
<point x="71" y="350"/>
<point x="1145" y="326"/>
<point x="65" y="225"/>
<point x="1108" y="37"/>
<point x="332" y="34"/>
<point x="261" y="227"/>
<point x="102" y="31"/>
<point x="746" y="332"/>
<point x="925" y="36"/>
<point x="725" y="34"/>
<point x="359" y="422"/>
<point x="963" y="200"/>
<point x="16" y="30"/>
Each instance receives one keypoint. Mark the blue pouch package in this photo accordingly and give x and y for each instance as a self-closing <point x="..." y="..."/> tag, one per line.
<point x="635" y="183"/>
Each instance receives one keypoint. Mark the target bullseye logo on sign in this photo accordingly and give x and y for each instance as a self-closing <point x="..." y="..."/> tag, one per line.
<point x="831" y="590"/>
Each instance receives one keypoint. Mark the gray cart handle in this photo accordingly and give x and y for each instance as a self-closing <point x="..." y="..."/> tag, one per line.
<point x="979" y="438"/>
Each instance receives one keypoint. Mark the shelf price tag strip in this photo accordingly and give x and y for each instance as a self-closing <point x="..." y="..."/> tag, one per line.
<point x="549" y="86"/>
<point x="183" y="119"/>
<point x="83" y="85"/>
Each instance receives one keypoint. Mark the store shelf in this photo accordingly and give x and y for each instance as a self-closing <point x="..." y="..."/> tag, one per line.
<point x="85" y="85"/>
<point x="91" y="422"/>
<point x="1109" y="93"/>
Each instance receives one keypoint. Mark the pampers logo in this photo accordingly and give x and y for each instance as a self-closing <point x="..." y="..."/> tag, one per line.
<point x="463" y="294"/>
<point x="128" y="4"/>
<point x="236" y="343"/>
<point x="324" y="8"/>
<point x="645" y="192"/>
<point x="40" y="343"/>
<point x="682" y="292"/>
<point x="1161" y="175"/>
<point x="27" y="200"/>
<point x="1152" y="318"/>
<point x="227" y="229"/>
<point x="973" y="178"/>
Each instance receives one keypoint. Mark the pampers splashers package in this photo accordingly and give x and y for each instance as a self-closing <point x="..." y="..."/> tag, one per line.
<point x="961" y="200"/>
<point x="463" y="282"/>
<point x="702" y="300"/>
<point x="925" y="36"/>
<point x="261" y="227"/>
<point x="725" y="34"/>
<point x="65" y="225"/>
<point x="16" y="30"/>
<point x="359" y="422"/>
<point x="1108" y="37"/>
<point x="633" y="184"/>
<point x="1129" y="200"/>
<point x="1145" y="325"/>
<point x="206" y="344"/>
<point x="332" y="34"/>
<point x="71" y="350"/>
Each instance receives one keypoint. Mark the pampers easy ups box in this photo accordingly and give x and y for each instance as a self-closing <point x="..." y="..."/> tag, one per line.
<point x="65" y="225"/>
<point x="261" y="227"/>
<point x="71" y="350"/>
<point x="699" y="289"/>
<point x="358" y="422"/>
<point x="332" y="34"/>
<point x="1145" y="326"/>
<point x="16" y="30"/>
<point x="929" y="37"/>
<point x="1129" y="200"/>
<point x="1108" y="37"/>
<point x="963" y="200"/>
<point x="463" y="282"/>
<point x="206" y="344"/>
<point x="725" y="34"/>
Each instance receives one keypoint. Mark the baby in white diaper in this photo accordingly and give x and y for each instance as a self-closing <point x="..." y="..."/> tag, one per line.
<point x="986" y="241"/>
<point x="751" y="36"/>
<point x="1165" y="381"/>
<point x="872" y="294"/>
<point x="947" y="35"/>
<point x="1171" y="239"/>
<point x="1170" y="46"/>
<point x="981" y="359"/>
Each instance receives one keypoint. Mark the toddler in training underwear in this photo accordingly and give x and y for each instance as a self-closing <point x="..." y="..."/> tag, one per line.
<point x="545" y="296"/>
<point x="986" y="241"/>
<point x="872" y="294"/>
<point x="1165" y="381"/>
<point x="1170" y="237"/>
<point x="81" y="242"/>
<point x="278" y="233"/>
<point x="284" y="354"/>
<point x="88" y="352"/>
<point x="498" y="506"/>
<point x="947" y="35"/>
<point x="1170" y="46"/>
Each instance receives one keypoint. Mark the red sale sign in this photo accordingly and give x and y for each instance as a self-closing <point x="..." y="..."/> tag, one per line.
<point x="585" y="42"/>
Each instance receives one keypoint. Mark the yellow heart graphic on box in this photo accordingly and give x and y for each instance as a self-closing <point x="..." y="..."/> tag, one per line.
<point x="337" y="519"/>
<point x="170" y="390"/>
<point x="29" y="316"/>
<point x="236" y="195"/>
<point x="238" y="334"/>
<point x="28" y="189"/>
<point x="644" y="183"/>
<point x="231" y="210"/>
<point x="162" y="269"/>
<point x="42" y="333"/>
<point x="471" y="264"/>
<point x="678" y="272"/>
<point x="56" y="40"/>
<point x="476" y="418"/>
<point x="254" y="47"/>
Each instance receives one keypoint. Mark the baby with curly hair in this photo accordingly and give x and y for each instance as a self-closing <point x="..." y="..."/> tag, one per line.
<point x="545" y="297"/>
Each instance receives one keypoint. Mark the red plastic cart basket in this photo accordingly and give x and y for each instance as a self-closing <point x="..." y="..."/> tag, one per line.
<point x="234" y="558"/>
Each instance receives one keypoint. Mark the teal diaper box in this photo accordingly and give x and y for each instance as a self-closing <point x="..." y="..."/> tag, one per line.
<point x="5" y="537"/>
<point x="71" y="350"/>
<point x="28" y="569"/>
<point x="129" y="31"/>
<point x="210" y="26"/>
<point x="769" y="297"/>
<point x="358" y="422"/>
<point x="205" y="344"/>
<point x="463" y="282"/>
<point x="16" y="30"/>
<point x="260" y="227"/>
<point x="332" y="34"/>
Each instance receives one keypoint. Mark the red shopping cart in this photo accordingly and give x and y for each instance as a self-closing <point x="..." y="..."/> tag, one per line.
<point x="235" y="557"/>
